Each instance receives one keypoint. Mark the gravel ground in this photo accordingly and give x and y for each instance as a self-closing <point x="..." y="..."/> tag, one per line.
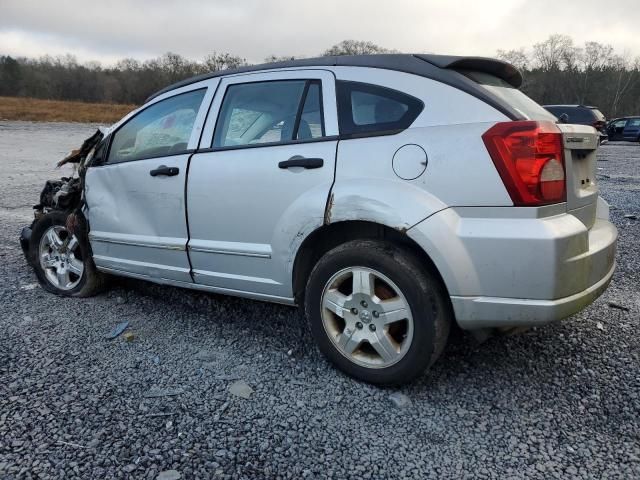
<point x="556" y="402"/>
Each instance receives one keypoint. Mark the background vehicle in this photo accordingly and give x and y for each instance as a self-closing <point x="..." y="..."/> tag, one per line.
<point x="581" y="115"/>
<point x="627" y="129"/>
<point x="389" y="195"/>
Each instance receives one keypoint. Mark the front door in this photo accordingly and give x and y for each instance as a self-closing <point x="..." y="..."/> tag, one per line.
<point x="262" y="178"/>
<point x="135" y="197"/>
<point x="616" y="128"/>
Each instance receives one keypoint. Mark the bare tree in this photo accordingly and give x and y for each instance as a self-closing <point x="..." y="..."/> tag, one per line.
<point x="625" y="77"/>
<point x="553" y="53"/>
<point x="594" y="59"/>
<point x="356" y="47"/>
<point x="518" y="58"/>
<point x="222" y="61"/>
<point x="276" y="58"/>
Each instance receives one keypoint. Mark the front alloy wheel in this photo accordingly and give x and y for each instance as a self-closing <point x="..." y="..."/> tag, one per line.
<point x="60" y="258"/>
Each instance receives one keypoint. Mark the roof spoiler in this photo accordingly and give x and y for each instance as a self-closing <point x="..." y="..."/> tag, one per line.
<point x="498" y="68"/>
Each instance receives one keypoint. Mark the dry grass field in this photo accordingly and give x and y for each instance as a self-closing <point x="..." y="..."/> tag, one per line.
<point x="33" y="109"/>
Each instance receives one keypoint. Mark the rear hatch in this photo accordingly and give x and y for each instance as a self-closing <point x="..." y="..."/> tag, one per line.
<point x="580" y="146"/>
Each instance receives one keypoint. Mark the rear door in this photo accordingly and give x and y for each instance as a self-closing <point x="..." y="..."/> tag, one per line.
<point x="631" y="132"/>
<point x="261" y="178"/>
<point x="135" y="197"/>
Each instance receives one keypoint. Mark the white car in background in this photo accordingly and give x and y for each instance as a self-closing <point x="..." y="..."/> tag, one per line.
<point x="389" y="195"/>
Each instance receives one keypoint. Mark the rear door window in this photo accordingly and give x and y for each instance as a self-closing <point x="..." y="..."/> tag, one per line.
<point x="163" y="128"/>
<point x="269" y="112"/>
<point x="365" y="109"/>
<point x="311" y="125"/>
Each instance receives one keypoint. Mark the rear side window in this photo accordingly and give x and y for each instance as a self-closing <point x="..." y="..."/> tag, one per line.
<point x="162" y="129"/>
<point x="634" y="122"/>
<point x="365" y="109"/>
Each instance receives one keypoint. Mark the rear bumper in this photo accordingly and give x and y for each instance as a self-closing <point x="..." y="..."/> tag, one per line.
<point x="492" y="312"/>
<point x="508" y="267"/>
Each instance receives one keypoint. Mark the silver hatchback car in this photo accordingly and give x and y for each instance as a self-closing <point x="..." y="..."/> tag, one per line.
<point x="388" y="195"/>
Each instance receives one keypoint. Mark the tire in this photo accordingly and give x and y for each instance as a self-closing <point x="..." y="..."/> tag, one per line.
<point x="78" y="275"/>
<point x="372" y="283"/>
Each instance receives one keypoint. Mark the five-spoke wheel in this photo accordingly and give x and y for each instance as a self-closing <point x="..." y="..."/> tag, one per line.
<point x="60" y="257"/>
<point x="377" y="311"/>
<point x="367" y="317"/>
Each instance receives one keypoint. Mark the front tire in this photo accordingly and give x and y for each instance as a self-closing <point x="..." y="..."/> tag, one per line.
<point x="61" y="260"/>
<point x="377" y="312"/>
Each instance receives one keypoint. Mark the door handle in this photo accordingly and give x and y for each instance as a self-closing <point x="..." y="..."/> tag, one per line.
<point x="298" y="161"/>
<point x="164" y="170"/>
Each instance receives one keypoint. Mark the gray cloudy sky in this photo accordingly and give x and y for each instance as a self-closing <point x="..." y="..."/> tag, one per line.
<point x="109" y="30"/>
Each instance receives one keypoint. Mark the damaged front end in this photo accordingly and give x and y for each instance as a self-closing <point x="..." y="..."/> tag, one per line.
<point x="67" y="194"/>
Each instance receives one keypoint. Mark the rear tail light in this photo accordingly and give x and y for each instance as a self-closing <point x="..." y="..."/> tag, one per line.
<point x="530" y="160"/>
<point x="598" y="124"/>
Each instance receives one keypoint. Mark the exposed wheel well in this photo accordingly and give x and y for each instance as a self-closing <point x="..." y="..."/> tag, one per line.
<point x="330" y="236"/>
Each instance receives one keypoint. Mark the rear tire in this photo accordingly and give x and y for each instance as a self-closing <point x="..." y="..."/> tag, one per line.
<point x="62" y="262"/>
<point x="376" y="311"/>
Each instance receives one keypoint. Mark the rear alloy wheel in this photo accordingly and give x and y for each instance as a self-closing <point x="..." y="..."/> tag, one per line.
<point x="367" y="317"/>
<point x="377" y="312"/>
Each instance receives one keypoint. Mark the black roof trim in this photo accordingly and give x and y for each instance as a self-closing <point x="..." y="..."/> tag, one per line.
<point x="562" y="105"/>
<point x="441" y="68"/>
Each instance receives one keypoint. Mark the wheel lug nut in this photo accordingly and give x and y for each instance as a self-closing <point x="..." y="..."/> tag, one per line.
<point x="354" y="311"/>
<point x="372" y="327"/>
<point x="364" y="304"/>
<point x="359" y="326"/>
<point x="375" y="314"/>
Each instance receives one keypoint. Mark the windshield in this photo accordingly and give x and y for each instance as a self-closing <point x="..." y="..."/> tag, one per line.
<point x="514" y="97"/>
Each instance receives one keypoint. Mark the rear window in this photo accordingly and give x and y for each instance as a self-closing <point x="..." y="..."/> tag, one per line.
<point x="510" y="95"/>
<point x="580" y="115"/>
<point x="365" y="109"/>
<point x="584" y="115"/>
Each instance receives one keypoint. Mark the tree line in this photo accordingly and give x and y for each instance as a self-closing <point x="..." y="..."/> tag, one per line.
<point x="555" y="71"/>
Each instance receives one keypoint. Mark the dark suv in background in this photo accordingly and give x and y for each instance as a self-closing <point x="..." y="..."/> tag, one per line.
<point x="627" y="128"/>
<point x="580" y="114"/>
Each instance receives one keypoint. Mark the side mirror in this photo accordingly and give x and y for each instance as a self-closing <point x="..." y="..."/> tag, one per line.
<point x="564" y="118"/>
